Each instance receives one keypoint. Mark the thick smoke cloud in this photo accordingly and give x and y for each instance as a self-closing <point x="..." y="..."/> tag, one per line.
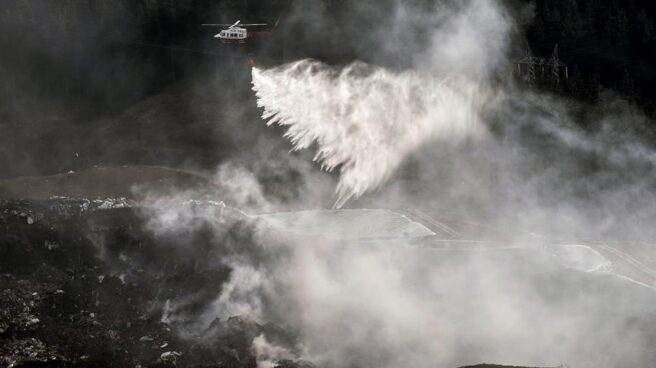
<point x="572" y="170"/>
<point x="453" y="134"/>
<point x="391" y="303"/>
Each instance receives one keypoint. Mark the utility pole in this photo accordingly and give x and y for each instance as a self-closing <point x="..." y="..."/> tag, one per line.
<point x="555" y="74"/>
<point x="556" y="65"/>
<point x="529" y="61"/>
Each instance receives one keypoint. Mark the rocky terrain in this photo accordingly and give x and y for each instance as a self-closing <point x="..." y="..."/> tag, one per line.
<point x="69" y="299"/>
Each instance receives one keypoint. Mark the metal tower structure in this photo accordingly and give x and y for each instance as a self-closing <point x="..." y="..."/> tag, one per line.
<point x="526" y="67"/>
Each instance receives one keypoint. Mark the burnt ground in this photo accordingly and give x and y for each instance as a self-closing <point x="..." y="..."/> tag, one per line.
<point x="68" y="299"/>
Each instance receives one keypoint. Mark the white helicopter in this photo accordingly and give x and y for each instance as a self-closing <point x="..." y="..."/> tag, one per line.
<point x="237" y="33"/>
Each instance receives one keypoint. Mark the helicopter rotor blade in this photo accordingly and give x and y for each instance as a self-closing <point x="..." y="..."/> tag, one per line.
<point x="233" y="24"/>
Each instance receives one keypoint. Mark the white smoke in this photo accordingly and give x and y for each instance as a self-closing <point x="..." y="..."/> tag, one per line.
<point x="240" y="295"/>
<point x="390" y="304"/>
<point x="267" y="354"/>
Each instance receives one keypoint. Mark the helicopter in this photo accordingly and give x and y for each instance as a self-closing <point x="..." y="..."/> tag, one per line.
<point x="237" y="32"/>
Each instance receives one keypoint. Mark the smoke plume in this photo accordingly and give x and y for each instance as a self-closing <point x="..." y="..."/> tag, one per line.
<point x="451" y="133"/>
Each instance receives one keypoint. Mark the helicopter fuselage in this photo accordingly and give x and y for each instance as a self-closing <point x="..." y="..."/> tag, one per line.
<point x="239" y="34"/>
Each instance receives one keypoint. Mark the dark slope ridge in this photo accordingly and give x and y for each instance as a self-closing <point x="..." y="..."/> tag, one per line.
<point x="107" y="182"/>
